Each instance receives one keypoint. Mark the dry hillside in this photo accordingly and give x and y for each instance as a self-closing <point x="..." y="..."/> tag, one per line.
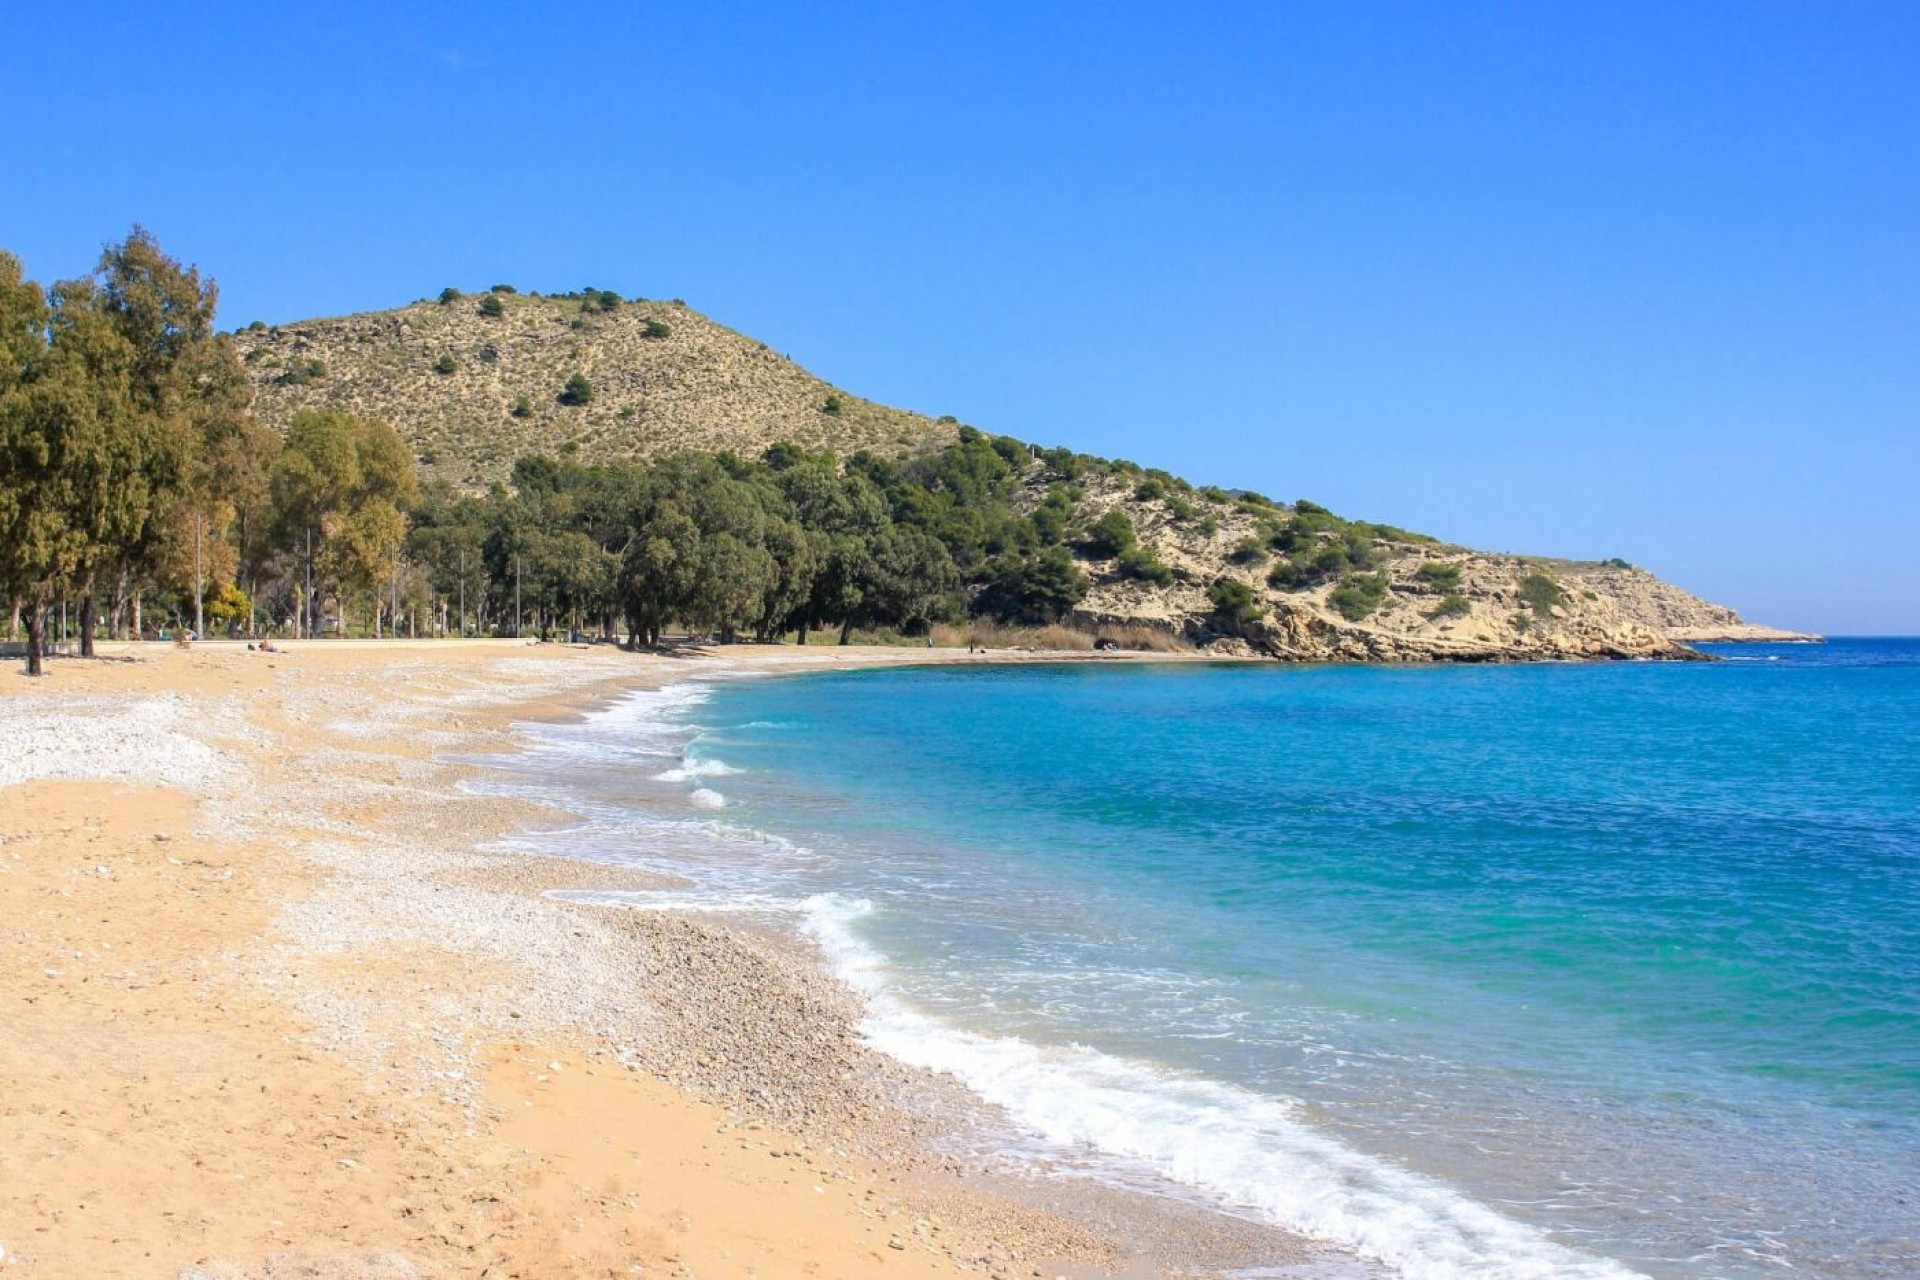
<point x="449" y="377"/>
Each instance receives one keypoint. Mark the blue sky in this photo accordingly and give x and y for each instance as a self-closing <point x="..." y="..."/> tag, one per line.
<point x="1586" y="280"/>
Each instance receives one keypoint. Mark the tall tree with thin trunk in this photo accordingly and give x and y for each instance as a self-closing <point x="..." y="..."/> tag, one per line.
<point x="44" y="403"/>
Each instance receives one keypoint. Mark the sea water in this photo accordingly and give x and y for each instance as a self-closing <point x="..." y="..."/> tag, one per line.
<point x="1550" y="970"/>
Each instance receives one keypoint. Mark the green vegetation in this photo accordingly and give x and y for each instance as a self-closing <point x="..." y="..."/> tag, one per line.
<point x="128" y="462"/>
<point x="449" y="296"/>
<point x="1138" y="562"/>
<point x="446" y="364"/>
<point x="654" y="329"/>
<point x="1453" y="606"/>
<point x="1444" y="577"/>
<point x="831" y="405"/>
<point x="1541" y="593"/>
<point x="522" y="407"/>
<point x="578" y="391"/>
<point x="1233" y="602"/>
<point x="299" y="373"/>
<point x="491" y="306"/>
<point x="1111" y="535"/>
<point x="1359" y="595"/>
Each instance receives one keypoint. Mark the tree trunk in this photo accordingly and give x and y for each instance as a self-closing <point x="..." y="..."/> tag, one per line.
<point x="36" y="637"/>
<point x="139" y="624"/>
<point x="846" y="632"/>
<point x="199" y="578"/>
<point x="86" y="618"/>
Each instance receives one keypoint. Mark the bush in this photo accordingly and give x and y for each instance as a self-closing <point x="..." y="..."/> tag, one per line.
<point x="449" y="296"/>
<point x="654" y="329"/>
<point x="1138" y="562"/>
<point x="502" y="288"/>
<point x="1359" y="595"/>
<point x="1233" y="600"/>
<point x="1541" y="593"/>
<point x="1149" y="490"/>
<point x="1249" y="550"/>
<point x="489" y="353"/>
<point x="578" y="391"/>
<point x="257" y="326"/>
<point x="1451" y="607"/>
<point x="1441" y="577"/>
<point x="1111" y="535"/>
<point x="1182" y="510"/>
<point x="1614" y="562"/>
<point x="522" y="408"/>
<point x="445" y="364"/>
<point x="491" y="306"/>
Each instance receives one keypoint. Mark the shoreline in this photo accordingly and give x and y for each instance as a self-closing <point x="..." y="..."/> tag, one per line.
<point x="347" y="939"/>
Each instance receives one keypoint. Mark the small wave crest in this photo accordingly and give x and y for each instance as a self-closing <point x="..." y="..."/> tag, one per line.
<point x="688" y="770"/>
<point x="1243" y="1149"/>
<point x="707" y="798"/>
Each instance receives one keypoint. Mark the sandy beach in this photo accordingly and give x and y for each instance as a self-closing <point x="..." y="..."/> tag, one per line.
<point x="275" y="1008"/>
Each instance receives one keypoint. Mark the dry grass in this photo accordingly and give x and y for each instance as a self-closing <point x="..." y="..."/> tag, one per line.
<point x="701" y="387"/>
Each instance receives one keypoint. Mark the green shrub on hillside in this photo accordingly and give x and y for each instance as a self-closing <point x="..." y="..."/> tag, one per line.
<point x="1541" y="593"/>
<point x="522" y="408"/>
<point x="491" y="306"/>
<point x="578" y="391"/>
<point x="1455" y="606"/>
<point x="1439" y="576"/>
<point x="1359" y="595"/>
<point x="1251" y="549"/>
<point x="445" y="364"/>
<point x="1110" y="535"/>
<point x="489" y="353"/>
<point x="1233" y="601"/>
<point x="654" y="329"/>
<point x="1138" y="562"/>
<point x="832" y="406"/>
<point x="449" y="296"/>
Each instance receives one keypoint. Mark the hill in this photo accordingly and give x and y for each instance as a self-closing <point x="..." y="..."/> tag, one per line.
<point x="472" y="391"/>
<point x="473" y="383"/>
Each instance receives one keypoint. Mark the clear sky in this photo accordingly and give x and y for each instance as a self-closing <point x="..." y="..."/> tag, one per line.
<point x="1593" y="280"/>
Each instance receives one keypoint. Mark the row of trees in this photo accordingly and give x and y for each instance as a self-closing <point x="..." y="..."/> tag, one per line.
<point x="134" y="480"/>
<point x="732" y="547"/>
<point x="126" y="447"/>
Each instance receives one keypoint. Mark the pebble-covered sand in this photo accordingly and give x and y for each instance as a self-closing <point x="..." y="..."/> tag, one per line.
<point x="400" y="940"/>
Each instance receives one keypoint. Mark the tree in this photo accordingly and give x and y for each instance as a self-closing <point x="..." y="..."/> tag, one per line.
<point x="339" y="490"/>
<point x="491" y="307"/>
<point x="39" y="405"/>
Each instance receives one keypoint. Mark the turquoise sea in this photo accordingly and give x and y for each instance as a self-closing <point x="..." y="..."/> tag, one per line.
<point x="1554" y="970"/>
